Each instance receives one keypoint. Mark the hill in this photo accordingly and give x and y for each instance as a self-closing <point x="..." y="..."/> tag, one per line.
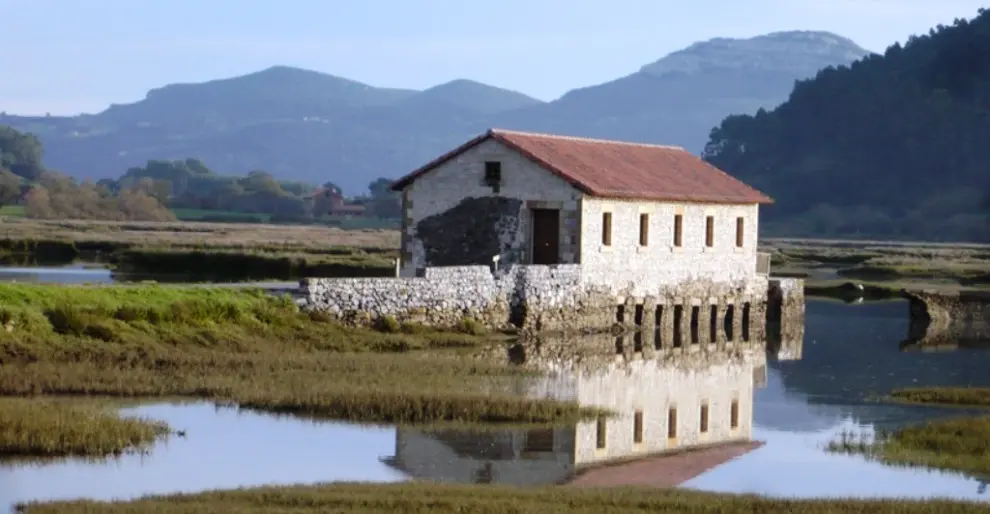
<point x="679" y="98"/>
<point x="893" y="145"/>
<point x="305" y="125"/>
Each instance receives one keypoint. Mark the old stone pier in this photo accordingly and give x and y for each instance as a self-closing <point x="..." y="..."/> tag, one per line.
<point x="541" y="298"/>
<point x="947" y="320"/>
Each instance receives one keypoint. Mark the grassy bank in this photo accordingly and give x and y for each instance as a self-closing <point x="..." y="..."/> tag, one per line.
<point x="423" y="498"/>
<point x="949" y="396"/>
<point x="195" y="251"/>
<point x="961" y="444"/>
<point x="879" y="265"/>
<point x="255" y="350"/>
<point x="44" y="428"/>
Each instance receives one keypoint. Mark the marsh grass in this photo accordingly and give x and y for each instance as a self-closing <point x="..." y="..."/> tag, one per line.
<point x="947" y="396"/>
<point x="215" y="250"/>
<point x="45" y="428"/>
<point x="884" y="267"/>
<point x="254" y="350"/>
<point x="464" y="499"/>
<point x="961" y="444"/>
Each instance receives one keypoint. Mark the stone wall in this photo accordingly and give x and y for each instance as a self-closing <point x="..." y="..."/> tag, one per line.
<point x="451" y="217"/>
<point x="543" y="298"/>
<point x="785" y="318"/>
<point x="627" y="266"/>
<point x="940" y="319"/>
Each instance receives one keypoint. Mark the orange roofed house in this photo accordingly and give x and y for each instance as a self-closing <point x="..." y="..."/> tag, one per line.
<point x="638" y="218"/>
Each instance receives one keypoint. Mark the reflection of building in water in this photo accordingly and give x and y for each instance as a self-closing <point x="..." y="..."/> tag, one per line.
<point x="663" y="401"/>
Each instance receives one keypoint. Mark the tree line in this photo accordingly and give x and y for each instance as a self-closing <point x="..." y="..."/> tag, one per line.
<point x="152" y="191"/>
<point x="894" y="145"/>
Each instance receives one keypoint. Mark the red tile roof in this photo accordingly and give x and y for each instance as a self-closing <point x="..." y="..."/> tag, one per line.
<point x="616" y="169"/>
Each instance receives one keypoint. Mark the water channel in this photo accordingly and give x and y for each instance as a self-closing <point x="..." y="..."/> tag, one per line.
<point x="794" y="405"/>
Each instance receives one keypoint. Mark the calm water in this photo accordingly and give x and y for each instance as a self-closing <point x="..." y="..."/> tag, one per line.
<point x="796" y="406"/>
<point x="70" y="274"/>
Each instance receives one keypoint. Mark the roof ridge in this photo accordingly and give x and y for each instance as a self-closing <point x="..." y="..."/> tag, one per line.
<point x="497" y="131"/>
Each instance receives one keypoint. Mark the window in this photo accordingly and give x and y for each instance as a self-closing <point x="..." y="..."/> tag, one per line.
<point x="600" y="434"/>
<point x="709" y="231"/>
<point x="734" y="414"/>
<point x="704" y="418"/>
<point x="695" y="313"/>
<point x="678" y="229"/>
<point x="672" y="423"/>
<point x="493" y="172"/>
<point x="644" y="229"/>
<point x="607" y="228"/>
<point x="740" y="234"/>
<point x="638" y="427"/>
<point x="493" y="175"/>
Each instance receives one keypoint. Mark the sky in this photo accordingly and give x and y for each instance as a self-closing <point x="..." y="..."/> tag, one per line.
<point x="70" y="56"/>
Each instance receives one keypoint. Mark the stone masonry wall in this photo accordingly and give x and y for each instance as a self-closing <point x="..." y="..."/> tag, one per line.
<point x="626" y="266"/>
<point x="543" y="298"/>
<point x="451" y="207"/>
<point x="937" y="318"/>
<point x="785" y="318"/>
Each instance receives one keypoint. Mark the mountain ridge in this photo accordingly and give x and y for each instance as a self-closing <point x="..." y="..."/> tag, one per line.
<point x="308" y="125"/>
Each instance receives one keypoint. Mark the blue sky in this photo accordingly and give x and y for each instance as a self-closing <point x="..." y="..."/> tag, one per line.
<point x="70" y="56"/>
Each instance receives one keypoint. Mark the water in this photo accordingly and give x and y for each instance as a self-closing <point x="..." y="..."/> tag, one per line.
<point x="89" y="273"/>
<point x="70" y="274"/>
<point x="223" y="448"/>
<point x="796" y="407"/>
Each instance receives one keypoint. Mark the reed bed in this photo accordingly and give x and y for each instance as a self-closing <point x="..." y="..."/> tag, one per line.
<point x="45" y="428"/>
<point x="961" y="444"/>
<point x="255" y="350"/>
<point x="435" y="498"/>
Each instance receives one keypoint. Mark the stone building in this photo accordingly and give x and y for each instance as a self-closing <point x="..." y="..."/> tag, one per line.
<point x="662" y="403"/>
<point x="637" y="218"/>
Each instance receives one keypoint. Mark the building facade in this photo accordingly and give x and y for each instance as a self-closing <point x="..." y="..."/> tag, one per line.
<point x="638" y="218"/>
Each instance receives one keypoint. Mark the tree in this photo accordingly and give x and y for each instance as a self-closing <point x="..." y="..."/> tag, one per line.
<point x="384" y="202"/>
<point x="20" y="153"/>
<point x="10" y="187"/>
<point x="894" y="144"/>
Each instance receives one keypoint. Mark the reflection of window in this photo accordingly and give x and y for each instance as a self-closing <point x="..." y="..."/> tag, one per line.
<point x="638" y="427"/>
<point x="734" y="414"/>
<point x="485" y="475"/>
<point x="539" y="440"/>
<point x="672" y="423"/>
<point x="600" y="434"/>
<point x="704" y="418"/>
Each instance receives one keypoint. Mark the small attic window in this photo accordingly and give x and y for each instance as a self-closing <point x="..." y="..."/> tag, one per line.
<point x="493" y="175"/>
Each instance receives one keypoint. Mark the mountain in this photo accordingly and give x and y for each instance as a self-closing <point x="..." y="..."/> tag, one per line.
<point x="679" y="98"/>
<point x="893" y="145"/>
<point x="305" y="125"/>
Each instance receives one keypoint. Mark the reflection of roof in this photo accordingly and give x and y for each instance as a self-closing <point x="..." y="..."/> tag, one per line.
<point x="664" y="470"/>
<point x="616" y="169"/>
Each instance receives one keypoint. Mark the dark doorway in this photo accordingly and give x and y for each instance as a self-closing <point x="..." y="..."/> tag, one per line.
<point x="546" y="236"/>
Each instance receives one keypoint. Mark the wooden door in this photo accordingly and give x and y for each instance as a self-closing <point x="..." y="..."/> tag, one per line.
<point x="546" y="236"/>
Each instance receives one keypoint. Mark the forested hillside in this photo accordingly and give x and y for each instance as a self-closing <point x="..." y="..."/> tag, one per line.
<point x="894" y="145"/>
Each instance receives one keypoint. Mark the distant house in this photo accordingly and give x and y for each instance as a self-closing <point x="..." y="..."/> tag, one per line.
<point x="329" y="201"/>
<point x="637" y="217"/>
